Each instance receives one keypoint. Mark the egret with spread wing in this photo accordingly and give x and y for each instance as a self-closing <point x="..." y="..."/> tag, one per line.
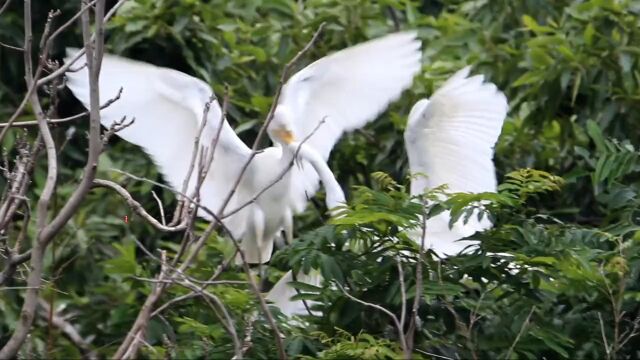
<point x="347" y="89"/>
<point x="449" y="140"/>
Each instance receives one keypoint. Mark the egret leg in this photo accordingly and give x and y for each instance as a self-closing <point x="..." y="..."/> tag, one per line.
<point x="288" y="226"/>
<point x="258" y="228"/>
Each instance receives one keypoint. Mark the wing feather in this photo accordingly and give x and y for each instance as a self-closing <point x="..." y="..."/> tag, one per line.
<point x="450" y="139"/>
<point x="347" y="89"/>
<point x="168" y="108"/>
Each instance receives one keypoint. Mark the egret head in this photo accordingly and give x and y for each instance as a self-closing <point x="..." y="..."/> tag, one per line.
<point x="281" y="127"/>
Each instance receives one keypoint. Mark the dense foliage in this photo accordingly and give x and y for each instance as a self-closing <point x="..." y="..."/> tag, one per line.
<point x="565" y="282"/>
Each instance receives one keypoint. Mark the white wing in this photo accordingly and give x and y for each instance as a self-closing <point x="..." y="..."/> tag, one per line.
<point x="348" y="89"/>
<point x="450" y="140"/>
<point x="281" y="293"/>
<point x="168" y="108"/>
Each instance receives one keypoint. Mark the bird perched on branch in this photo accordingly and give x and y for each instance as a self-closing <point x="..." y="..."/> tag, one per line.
<point x="338" y="93"/>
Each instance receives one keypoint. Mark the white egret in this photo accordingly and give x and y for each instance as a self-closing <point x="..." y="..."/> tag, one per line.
<point x="449" y="140"/>
<point x="347" y="89"/>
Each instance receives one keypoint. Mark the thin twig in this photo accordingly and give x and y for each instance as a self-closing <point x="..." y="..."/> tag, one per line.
<point x="16" y="48"/>
<point x="4" y="6"/>
<point x="434" y="355"/>
<point x="60" y="71"/>
<point x="29" y="305"/>
<point x="65" y="119"/>
<point x="403" y="342"/>
<point x="419" y="283"/>
<point x="403" y="294"/>
<point x="69" y="331"/>
<point x="35" y="83"/>
<point x="136" y="206"/>
<point x="160" y="206"/>
<point x="607" y="349"/>
<point x="520" y="333"/>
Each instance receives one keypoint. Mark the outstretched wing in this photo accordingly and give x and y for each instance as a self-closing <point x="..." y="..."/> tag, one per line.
<point x="347" y="89"/>
<point x="450" y="140"/>
<point x="168" y="107"/>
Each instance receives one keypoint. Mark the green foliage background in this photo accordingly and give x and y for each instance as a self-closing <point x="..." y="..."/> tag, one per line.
<point x="570" y="70"/>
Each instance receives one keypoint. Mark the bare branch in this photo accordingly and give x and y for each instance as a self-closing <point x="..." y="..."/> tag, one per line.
<point x="46" y="232"/>
<point x="401" y="338"/>
<point x="12" y="265"/>
<point x="403" y="294"/>
<point x="34" y="83"/>
<point x="115" y="127"/>
<point x="4" y="6"/>
<point x="69" y="331"/>
<point x="128" y="348"/>
<point x="95" y="142"/>
<point x="160" y="206"/>
<point x="524" y="326"/>
<point x="143" y="315"/>
<point x="135" y="206"/>
<point x="419" y="281"/>
<point x="81" y="52"/>
<point x="65" y="119"/>
<point x="216" y="273"/>
<point x="16" y="48"/>
<point x="33" y="281"/>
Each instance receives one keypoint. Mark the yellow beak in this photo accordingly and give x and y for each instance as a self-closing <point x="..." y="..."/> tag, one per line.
<point x="287" y="136"/>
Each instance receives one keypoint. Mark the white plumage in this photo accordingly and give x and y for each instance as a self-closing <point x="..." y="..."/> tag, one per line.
<point x="347" y="89"/>
<point x="449" y="140"/>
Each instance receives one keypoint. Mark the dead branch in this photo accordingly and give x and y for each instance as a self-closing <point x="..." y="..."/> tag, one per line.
<point x="4" y="6"/>
<point x="143" y="315"/>
<point x="136" y="207"/>
<point x="129" y="346"/>
<point x="33" y="84"/>
<point x="11" y="266"/>
<point x="46" y="231"/>
<point x="33" y="281"/>
<point x="68" y="330"/>
<point x="117" y="126"/>
<point x="16" y="48"/>
<point x="216" y="273"/>
<point x="60" y="71"/>
<point x="65" y="119"/>
<point x="18" y="180"/>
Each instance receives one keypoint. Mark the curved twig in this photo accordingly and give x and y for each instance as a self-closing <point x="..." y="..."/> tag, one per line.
<point x="135" y="206"/>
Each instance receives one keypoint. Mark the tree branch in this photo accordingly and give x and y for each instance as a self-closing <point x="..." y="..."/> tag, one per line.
<point x="68" y="330"/>
<point x="401" y="338"/>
